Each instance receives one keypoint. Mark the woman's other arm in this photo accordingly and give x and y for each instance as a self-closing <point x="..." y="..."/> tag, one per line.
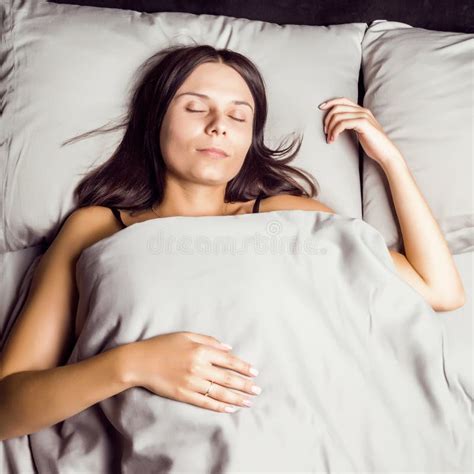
<point x="427" y="264"/>
<point x="35" y="399"/>
<point x="35" y="391"/>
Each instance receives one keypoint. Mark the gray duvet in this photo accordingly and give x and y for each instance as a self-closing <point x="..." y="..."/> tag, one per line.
<point x="350" y="356"/>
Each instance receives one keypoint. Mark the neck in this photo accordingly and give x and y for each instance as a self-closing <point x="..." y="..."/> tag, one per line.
<point x="191" y="199"/>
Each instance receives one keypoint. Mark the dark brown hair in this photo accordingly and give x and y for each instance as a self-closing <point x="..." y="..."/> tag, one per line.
<point x="133" y="178"/>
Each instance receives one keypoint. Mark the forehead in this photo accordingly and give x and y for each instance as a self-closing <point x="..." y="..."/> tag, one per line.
<point x="218" y="82"/>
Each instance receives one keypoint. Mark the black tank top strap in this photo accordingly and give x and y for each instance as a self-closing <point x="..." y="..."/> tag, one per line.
<point x="256" y="206"/>
<point x="117" y="216"/>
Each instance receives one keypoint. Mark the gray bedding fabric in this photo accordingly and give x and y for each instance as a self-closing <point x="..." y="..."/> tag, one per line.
<point x="351" y="358"/>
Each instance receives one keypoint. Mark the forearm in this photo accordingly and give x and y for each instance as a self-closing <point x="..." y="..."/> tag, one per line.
<point x="33" y="400"/>
<point x="425" y="246"/>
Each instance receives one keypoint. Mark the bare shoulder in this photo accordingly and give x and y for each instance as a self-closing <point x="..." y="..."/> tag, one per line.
<point x="289" y="202"/>
<point x="87" y="225"/>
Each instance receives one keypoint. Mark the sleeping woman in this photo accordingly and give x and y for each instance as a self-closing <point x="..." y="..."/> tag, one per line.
<point x="193" y="146"/>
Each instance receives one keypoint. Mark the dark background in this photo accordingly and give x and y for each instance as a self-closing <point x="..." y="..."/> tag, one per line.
<point x="440" y="15"/>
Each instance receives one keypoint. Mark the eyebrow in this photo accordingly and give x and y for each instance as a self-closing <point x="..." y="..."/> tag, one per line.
<point x="204" y="96"/>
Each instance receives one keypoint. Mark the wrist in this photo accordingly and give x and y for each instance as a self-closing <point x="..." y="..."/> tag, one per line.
<point x="125" y="365"/>
<point x="392" y="162"/>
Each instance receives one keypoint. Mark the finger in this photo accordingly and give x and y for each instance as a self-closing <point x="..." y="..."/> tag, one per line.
<point x="337" y="119"/>
<point x="219" y="392"/>
<point x="230" y="361"/>
<point x="209" y="403"/>
<point x="337" y="100"/>
<point x="209" y="340"/>
<point x="345" y="124"/>
<point x="230" y="396"/>
<point x="229" y="379"/>
<point x="335" y="111"/>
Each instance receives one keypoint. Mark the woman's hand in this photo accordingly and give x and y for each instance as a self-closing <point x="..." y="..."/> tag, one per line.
<point x="181" y="366"/>
<point x="344" y="114"/>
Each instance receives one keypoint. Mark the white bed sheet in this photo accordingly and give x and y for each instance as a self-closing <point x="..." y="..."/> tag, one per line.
<point x="17" y="269"/>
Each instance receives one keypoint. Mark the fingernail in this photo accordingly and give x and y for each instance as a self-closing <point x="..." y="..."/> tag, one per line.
<point x="231" y="409"/>
<point x="256" y="390"/>
<point x="253" y="371"/>
<point x="321" y="106"/>
<point x="226" y="345"/>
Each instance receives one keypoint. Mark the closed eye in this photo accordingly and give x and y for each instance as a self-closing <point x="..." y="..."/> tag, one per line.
<point x="238" y="120"/>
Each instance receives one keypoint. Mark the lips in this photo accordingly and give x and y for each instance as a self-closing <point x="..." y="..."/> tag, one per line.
<point x="214" y="152"/>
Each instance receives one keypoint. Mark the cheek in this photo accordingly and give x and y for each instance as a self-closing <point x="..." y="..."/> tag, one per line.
<point x="180" y="128"/>
<point x="243" y="143"/>
<point x="177" y="136"/>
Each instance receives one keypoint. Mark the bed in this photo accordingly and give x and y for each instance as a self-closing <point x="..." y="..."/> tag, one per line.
<point x="415" y="75"/>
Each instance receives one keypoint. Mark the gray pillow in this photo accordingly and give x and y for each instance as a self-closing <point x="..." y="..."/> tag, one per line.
<point x="419" y="87"/>
<point x="73" y="67"/>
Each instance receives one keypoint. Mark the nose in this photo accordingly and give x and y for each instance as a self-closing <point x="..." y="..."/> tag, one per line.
<point x="216" y="124"/>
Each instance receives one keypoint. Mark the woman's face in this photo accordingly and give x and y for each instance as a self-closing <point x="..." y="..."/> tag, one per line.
<point x="194" y="122"/>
